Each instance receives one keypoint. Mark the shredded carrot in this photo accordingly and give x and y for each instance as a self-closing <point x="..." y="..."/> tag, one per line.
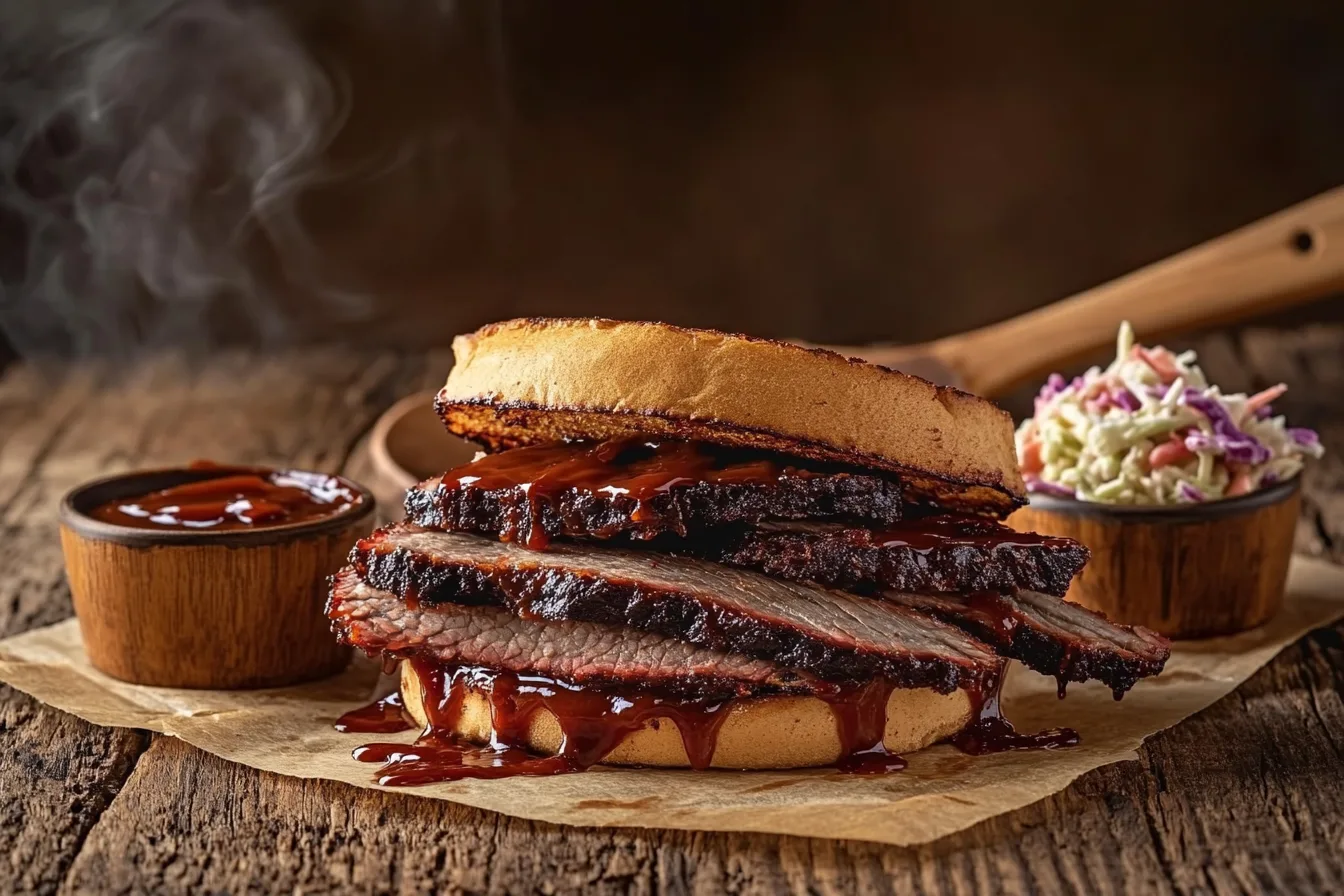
<point x="1160" y="359"/>
<point x="1240" y="484"/>
<point x="1030" y="461"/>
<point x="1260" y="399"/>
<point x="1168" y="453"/>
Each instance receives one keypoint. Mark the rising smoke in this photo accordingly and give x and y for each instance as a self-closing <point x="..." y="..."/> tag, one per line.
<point x="153" y="161"/>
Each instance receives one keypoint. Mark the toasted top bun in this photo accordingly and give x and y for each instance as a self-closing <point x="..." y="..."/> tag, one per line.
<point x="759" y="732"/>
<point x="533" y="381"/>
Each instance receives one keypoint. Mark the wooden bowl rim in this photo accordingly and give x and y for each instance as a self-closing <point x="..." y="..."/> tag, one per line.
<point x="1171" y="513"/>
<point x="126" y="484"/>
<point x="380" y="453"/>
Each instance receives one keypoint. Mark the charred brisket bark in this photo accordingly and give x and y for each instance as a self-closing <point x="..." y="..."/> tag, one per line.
<point x="836" y="636"/>
<point x="379" y="622"/>
<point x="952" y="555"/>
<point x="515" y="512"/>
<point x="1051" y="635"/>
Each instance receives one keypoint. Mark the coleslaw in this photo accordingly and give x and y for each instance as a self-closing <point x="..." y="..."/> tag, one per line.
<point x="1150" y="429"/>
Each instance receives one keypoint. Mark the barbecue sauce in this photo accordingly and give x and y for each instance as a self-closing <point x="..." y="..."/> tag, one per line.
<point x="990" y="732"/>
<point x="927" y="534"/>
<point x="861" y="723"/>
<point x="385" y="716"/>
<point x="239" y="498"/>
<point x="593" y="722"/>
<point x="619" y="468"/>
<point x="988" y="608"/>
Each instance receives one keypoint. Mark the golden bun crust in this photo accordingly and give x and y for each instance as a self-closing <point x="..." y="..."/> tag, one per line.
<point x="759" y="733"/>
<point x="543" y="380"/>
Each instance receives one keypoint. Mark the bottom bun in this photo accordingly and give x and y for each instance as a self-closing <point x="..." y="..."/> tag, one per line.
<point x="759" y="732"/>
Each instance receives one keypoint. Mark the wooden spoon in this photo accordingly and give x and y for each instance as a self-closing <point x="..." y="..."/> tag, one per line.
<point x="1286" y="259"/>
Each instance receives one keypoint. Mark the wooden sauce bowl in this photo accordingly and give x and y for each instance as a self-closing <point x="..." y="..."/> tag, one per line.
<point x="202" y="609"/>
<point x="1189" y="571"/>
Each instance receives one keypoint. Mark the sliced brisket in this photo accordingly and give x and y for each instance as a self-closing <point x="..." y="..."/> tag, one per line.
<point x="828" y="633"/>
<point x="946" y="554"/>
<point x="584" y="653"/>
<point x="531" y="495"/>
<point x="1051" y="635"/>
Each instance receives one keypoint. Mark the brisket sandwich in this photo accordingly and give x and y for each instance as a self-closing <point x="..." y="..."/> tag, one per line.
<point x="688" y="548"/>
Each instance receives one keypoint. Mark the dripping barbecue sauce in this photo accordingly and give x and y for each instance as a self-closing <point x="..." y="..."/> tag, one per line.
<point x="930" y="533"/>
<point x="636" y="469"/>
<point x="643" y="471"/>
<point x="593" y="722"/>
<point x="237" y="498"/>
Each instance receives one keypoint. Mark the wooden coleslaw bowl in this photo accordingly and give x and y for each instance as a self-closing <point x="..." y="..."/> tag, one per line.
<point x="1188" y="571"/>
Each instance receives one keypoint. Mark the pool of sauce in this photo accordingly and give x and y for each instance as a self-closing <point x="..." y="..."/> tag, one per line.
<point x="385" y="716"/>
<point x="990" y="732"/>
<point x="593" y="722"/>
<point x="637" y="469"/>
<point x="238" y="498"/>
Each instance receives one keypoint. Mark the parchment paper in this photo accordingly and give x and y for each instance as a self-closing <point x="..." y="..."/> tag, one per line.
<point x="289" y="731"/>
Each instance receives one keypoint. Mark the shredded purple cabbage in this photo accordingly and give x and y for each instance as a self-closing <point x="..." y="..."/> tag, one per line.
<point x="1188" y="492"/>
<point x="1236" y="446"/>
<point x="1264" y="412"/>
<point x="1125" y="399"/>
<point x="1040" y="486"/>
<point x="1054" y="384"/>
<point x="1307" y="438"/>
<point x="1249" y="453"/>
<point x="1197" y="440"/>
<point x="1269" y="478"/>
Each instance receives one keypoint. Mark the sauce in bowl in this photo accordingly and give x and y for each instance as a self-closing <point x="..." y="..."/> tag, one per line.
<point x="238" y="498"/>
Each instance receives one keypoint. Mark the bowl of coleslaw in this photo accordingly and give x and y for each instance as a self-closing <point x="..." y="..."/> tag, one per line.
<point x="1187" y="496"/>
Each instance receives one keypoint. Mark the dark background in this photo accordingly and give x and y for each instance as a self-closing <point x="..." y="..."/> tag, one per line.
<point x="842" y="172"/>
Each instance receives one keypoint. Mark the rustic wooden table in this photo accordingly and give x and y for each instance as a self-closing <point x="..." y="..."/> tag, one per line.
<point x="1245" y="796"/>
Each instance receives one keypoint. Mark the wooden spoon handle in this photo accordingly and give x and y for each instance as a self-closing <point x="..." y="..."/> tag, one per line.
<point x="1293" y="256"/>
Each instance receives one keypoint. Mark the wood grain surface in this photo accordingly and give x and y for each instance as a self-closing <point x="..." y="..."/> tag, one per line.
<point x="1243" y="797"/>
